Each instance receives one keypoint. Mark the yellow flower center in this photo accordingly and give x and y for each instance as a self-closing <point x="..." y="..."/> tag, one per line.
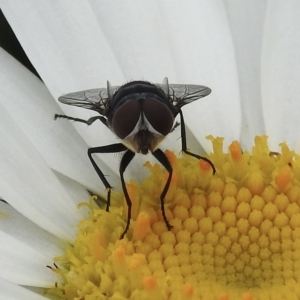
<point x="235" y="235"/>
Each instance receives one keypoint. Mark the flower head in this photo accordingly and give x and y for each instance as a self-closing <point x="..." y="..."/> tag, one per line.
<point x="235" y="234"/>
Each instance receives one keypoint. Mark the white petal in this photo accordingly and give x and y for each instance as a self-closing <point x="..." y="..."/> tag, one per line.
<point x="191" y="44"/>
<point x="77" y="192"/>
<point x="64" y="42"/>
<point x="246" y="20"/>
<point x="25" y="246"/>
<point x="136" y="33"/>
<point x="21" y="264"/>
<point x="10" y="291"/>
<point x="66" y="45"/>
<point x="281" y="73"/>
<point x="188" y="41"/>
<point x="32" y="107"/>
<point x="27" y="183"/>
<point x="202" y="51"/>
<point x="18" y="227"/>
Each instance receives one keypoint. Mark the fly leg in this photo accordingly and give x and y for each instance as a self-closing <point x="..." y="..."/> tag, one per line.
<point x="184" y="144"/>
<point x="90" y="121"/>
<point x="162" y="158"/>
<point x="105" y="149"/>
<point x="126" y="159"/>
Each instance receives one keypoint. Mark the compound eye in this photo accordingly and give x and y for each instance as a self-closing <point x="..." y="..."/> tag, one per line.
<point x="159" y="116"/>
<point x="125" y="118"/>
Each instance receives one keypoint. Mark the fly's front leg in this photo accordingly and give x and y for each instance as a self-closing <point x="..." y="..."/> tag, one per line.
<point x="184" y="145"/>
<point x="126" y="159"/>
<point x="90" y="121"/>
<point x="105" y="149"/>
<point x="162" y="158"/>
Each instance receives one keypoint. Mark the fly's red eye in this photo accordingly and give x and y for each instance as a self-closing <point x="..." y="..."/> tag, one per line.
<point x="126" y="118"/>
<point x="158" y="115"/>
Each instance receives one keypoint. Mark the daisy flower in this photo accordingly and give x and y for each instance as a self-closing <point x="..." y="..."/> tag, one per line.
<point x="235" y="235"/>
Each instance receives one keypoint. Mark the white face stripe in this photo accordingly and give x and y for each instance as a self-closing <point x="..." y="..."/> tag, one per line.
<point x="145" y="125"/>
<point x="129" y="140"/>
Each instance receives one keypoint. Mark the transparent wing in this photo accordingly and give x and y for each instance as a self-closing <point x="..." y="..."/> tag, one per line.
<point x="99" y="100"/>
<point x="182" y="94"/>
<point x="95" y="99"/>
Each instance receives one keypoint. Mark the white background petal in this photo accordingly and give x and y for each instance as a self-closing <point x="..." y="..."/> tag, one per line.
<point x="246" y="20"/>
<point x="200" y="50"/>
<point x="136" y="34"/>
<point x="77" y="192"/>
<point x="188" y="42"/>
<point x="20" y="228"/>
<point x="28" y="184"/>
<point x="281" y="73"/>
<point x="24" y="247"/>
<point x="10" y="291"/>
<point x="32" y="107"/>
<point x="24" y="265"/>
<point x="64" y="42"/>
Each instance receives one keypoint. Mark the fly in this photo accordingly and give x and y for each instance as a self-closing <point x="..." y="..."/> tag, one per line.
<point x="141" y="114"/>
